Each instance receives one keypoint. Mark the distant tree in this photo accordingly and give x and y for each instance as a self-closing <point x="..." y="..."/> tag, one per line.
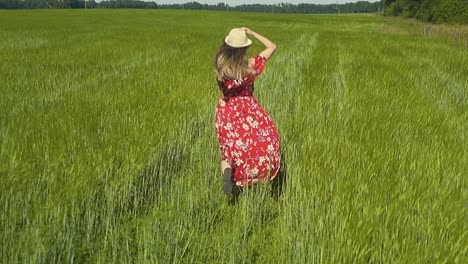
<point x="395" y="8"/>
<point x="33" y="4"/>
<point x="54" y="4"/>
<point x="439" y="11"/>
<point x="11" y="4"/>
<point x="151" y="5"/>
<point x="76" y="3"/>
<point x="455" y="11"/>
<point x="66" y="3"/>
<point x="426" y="10"/>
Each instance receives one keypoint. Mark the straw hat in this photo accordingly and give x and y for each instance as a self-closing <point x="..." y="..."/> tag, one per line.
<point x="237" y="38"/>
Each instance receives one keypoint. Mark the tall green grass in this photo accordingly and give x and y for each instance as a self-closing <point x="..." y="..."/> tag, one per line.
<point x="108" y="152"/>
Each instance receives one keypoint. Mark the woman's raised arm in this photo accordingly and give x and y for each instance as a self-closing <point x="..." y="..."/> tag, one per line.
<point x="270" y="46"/>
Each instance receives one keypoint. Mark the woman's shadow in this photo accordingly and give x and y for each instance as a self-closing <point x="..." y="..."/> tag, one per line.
<point x="279" y="182"/>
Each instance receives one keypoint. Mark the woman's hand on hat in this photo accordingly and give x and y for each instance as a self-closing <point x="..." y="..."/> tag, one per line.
<point x="247" y="30"/>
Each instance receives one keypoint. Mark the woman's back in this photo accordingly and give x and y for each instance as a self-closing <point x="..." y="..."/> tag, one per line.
<point x="244" y="86"/>
<point x="248" y="138"/>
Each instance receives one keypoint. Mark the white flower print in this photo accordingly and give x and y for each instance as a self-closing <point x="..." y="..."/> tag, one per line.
<point x="254" y="171"/>
<point x="254" y="124"/>
<point x="239" y="162"/>
<point x="270" y="148"/>
<point x="245" y="126"/>
<point x="249" y="119"/>
<point x="228" y="126"/>
<point x="239" y="143"/>
<point x="261" y="160"/>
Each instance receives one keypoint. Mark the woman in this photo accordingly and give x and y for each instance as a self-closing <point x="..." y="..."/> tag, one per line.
<point x="248" y="137"/>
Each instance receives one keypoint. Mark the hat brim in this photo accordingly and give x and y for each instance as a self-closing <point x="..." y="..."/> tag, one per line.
<point x="249" y="42"/>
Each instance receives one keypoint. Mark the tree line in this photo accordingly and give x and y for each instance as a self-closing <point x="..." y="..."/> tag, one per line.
<point x="437" y="11"/>
<point x="44" y="4"/>
<point x="358" y="7"/>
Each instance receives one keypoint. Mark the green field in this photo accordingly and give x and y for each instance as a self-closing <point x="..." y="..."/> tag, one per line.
<point x="108" y="152"/>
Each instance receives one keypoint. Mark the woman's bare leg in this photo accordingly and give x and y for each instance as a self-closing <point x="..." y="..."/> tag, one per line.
<point x="226" y="169"/>
<point x="225" y="165"/>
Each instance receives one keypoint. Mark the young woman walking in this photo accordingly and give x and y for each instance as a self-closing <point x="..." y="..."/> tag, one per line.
<point x="249" y="141"/>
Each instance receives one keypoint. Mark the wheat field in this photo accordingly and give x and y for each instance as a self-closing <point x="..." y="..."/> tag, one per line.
<point x="108" y="152"/>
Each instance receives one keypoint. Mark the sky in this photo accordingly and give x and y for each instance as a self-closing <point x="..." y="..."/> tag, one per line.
<point x="241" y="2"/>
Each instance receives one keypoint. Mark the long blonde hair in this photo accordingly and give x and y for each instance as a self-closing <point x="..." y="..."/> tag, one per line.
<point x="231" y="63"/>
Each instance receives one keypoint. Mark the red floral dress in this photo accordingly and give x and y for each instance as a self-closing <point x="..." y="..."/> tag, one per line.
<point x="248" y="137"/>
